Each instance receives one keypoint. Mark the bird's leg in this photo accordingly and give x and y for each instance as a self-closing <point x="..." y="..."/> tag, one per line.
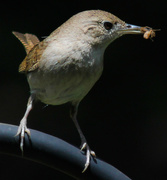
<point x="84" y="144"/>
<point x="22" y="129"/>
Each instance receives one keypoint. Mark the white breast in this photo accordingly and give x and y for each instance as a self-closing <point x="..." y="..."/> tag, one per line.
<point x="67" y="76"/>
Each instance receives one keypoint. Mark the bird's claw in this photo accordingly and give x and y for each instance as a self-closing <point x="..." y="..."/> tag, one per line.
<point x="21" y="131"/>
<point x="89" y="153"/>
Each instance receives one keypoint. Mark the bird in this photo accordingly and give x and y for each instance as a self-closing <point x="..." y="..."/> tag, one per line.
<point x="63" y="67"/>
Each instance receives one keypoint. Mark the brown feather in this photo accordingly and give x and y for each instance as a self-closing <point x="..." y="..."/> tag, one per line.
<point x="28" y="40"/>
<point x="31" y="61"/>
<point x="34" y="49"/>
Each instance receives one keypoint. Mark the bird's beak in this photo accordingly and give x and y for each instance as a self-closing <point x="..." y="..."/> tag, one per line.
<point x="130" y="29"/>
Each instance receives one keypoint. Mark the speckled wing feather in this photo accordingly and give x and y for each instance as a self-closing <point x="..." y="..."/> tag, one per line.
<point x="34" y="49"/>
<point x="31" y="61"/>
<point x="28" y="40"/>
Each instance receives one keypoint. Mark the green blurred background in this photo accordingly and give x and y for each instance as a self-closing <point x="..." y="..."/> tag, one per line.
<point x="124" y="117"/>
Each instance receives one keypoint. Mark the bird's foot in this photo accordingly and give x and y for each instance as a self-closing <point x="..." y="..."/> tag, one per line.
<point x="89" y="153"/>
<point x="22" y="129"/>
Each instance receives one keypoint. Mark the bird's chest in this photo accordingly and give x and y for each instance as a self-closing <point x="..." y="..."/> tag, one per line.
<point x="58" y="82"/>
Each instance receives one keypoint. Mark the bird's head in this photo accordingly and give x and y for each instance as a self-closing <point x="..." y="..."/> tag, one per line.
<point x="98" y="27"/>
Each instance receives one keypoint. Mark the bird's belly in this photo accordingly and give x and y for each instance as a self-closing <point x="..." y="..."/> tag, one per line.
<point x="60" y="88"/>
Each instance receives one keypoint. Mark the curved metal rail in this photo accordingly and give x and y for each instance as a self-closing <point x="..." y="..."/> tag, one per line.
<point x="55" y="153"/>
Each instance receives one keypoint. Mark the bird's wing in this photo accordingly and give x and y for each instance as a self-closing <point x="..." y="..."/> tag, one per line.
<point x="34" y="49"/>
<point x="31" y="61"/>
<point x="28" y="40"/>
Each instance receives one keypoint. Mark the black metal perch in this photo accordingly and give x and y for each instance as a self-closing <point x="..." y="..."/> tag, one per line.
<point x="55" y="153"/>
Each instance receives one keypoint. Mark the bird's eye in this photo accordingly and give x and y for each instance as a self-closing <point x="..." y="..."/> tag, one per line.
<point x="108" y="25"/>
